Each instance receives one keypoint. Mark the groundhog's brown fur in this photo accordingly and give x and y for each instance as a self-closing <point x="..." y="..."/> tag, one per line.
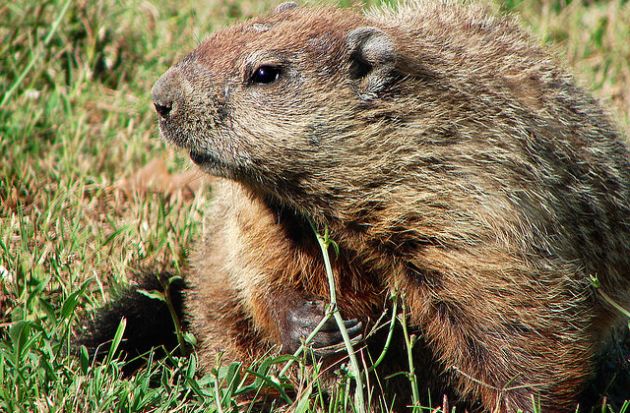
<point x="452" y="160"/>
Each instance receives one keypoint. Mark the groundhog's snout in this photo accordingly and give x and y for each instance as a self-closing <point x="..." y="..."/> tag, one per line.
<point x="165" y="94"/>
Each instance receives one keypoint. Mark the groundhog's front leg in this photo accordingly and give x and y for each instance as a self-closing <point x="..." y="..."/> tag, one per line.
<point x="244" y="330"/>
<point x="244" y="299"/>
<point x="298" y="318"/>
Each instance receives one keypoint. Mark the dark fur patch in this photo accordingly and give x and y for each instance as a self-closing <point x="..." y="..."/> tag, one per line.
<point x="427" y="277"/>
<point x="149" y="322"/>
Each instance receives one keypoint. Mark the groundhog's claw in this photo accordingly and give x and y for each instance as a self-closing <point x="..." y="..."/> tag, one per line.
<point x="331" y="343"/>
<point x="330" y="338"/>
<point x="303" y="319"/>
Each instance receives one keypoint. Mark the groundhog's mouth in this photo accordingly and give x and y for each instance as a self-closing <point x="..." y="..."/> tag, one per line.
<point x="202" y="158"/>
<point x="210" y="163"/>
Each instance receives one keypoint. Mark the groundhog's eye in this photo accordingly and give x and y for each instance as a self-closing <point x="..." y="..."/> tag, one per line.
<point x="265" y="74"/>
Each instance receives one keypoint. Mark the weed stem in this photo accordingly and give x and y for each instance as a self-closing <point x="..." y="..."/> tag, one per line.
<point x="359" y="402"/>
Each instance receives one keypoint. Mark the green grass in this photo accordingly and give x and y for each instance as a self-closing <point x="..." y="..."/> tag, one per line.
<point x="78" y="214"/>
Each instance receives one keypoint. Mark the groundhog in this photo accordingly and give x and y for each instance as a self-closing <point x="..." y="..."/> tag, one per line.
<point x="453" y="161"/>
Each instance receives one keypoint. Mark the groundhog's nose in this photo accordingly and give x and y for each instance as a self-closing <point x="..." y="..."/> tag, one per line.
<point x="165" y="93"/>
<point x="163" y="110"/>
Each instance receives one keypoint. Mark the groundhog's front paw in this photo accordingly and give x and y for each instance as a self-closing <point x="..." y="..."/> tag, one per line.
<point x="302" y="320"/>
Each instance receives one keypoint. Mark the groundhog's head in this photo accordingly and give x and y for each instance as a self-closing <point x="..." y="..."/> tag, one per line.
<point x="286" y="104"/>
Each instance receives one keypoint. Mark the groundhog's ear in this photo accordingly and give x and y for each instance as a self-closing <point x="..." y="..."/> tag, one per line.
<point x="285" y="6"/>
<point x="372" y="60"/>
